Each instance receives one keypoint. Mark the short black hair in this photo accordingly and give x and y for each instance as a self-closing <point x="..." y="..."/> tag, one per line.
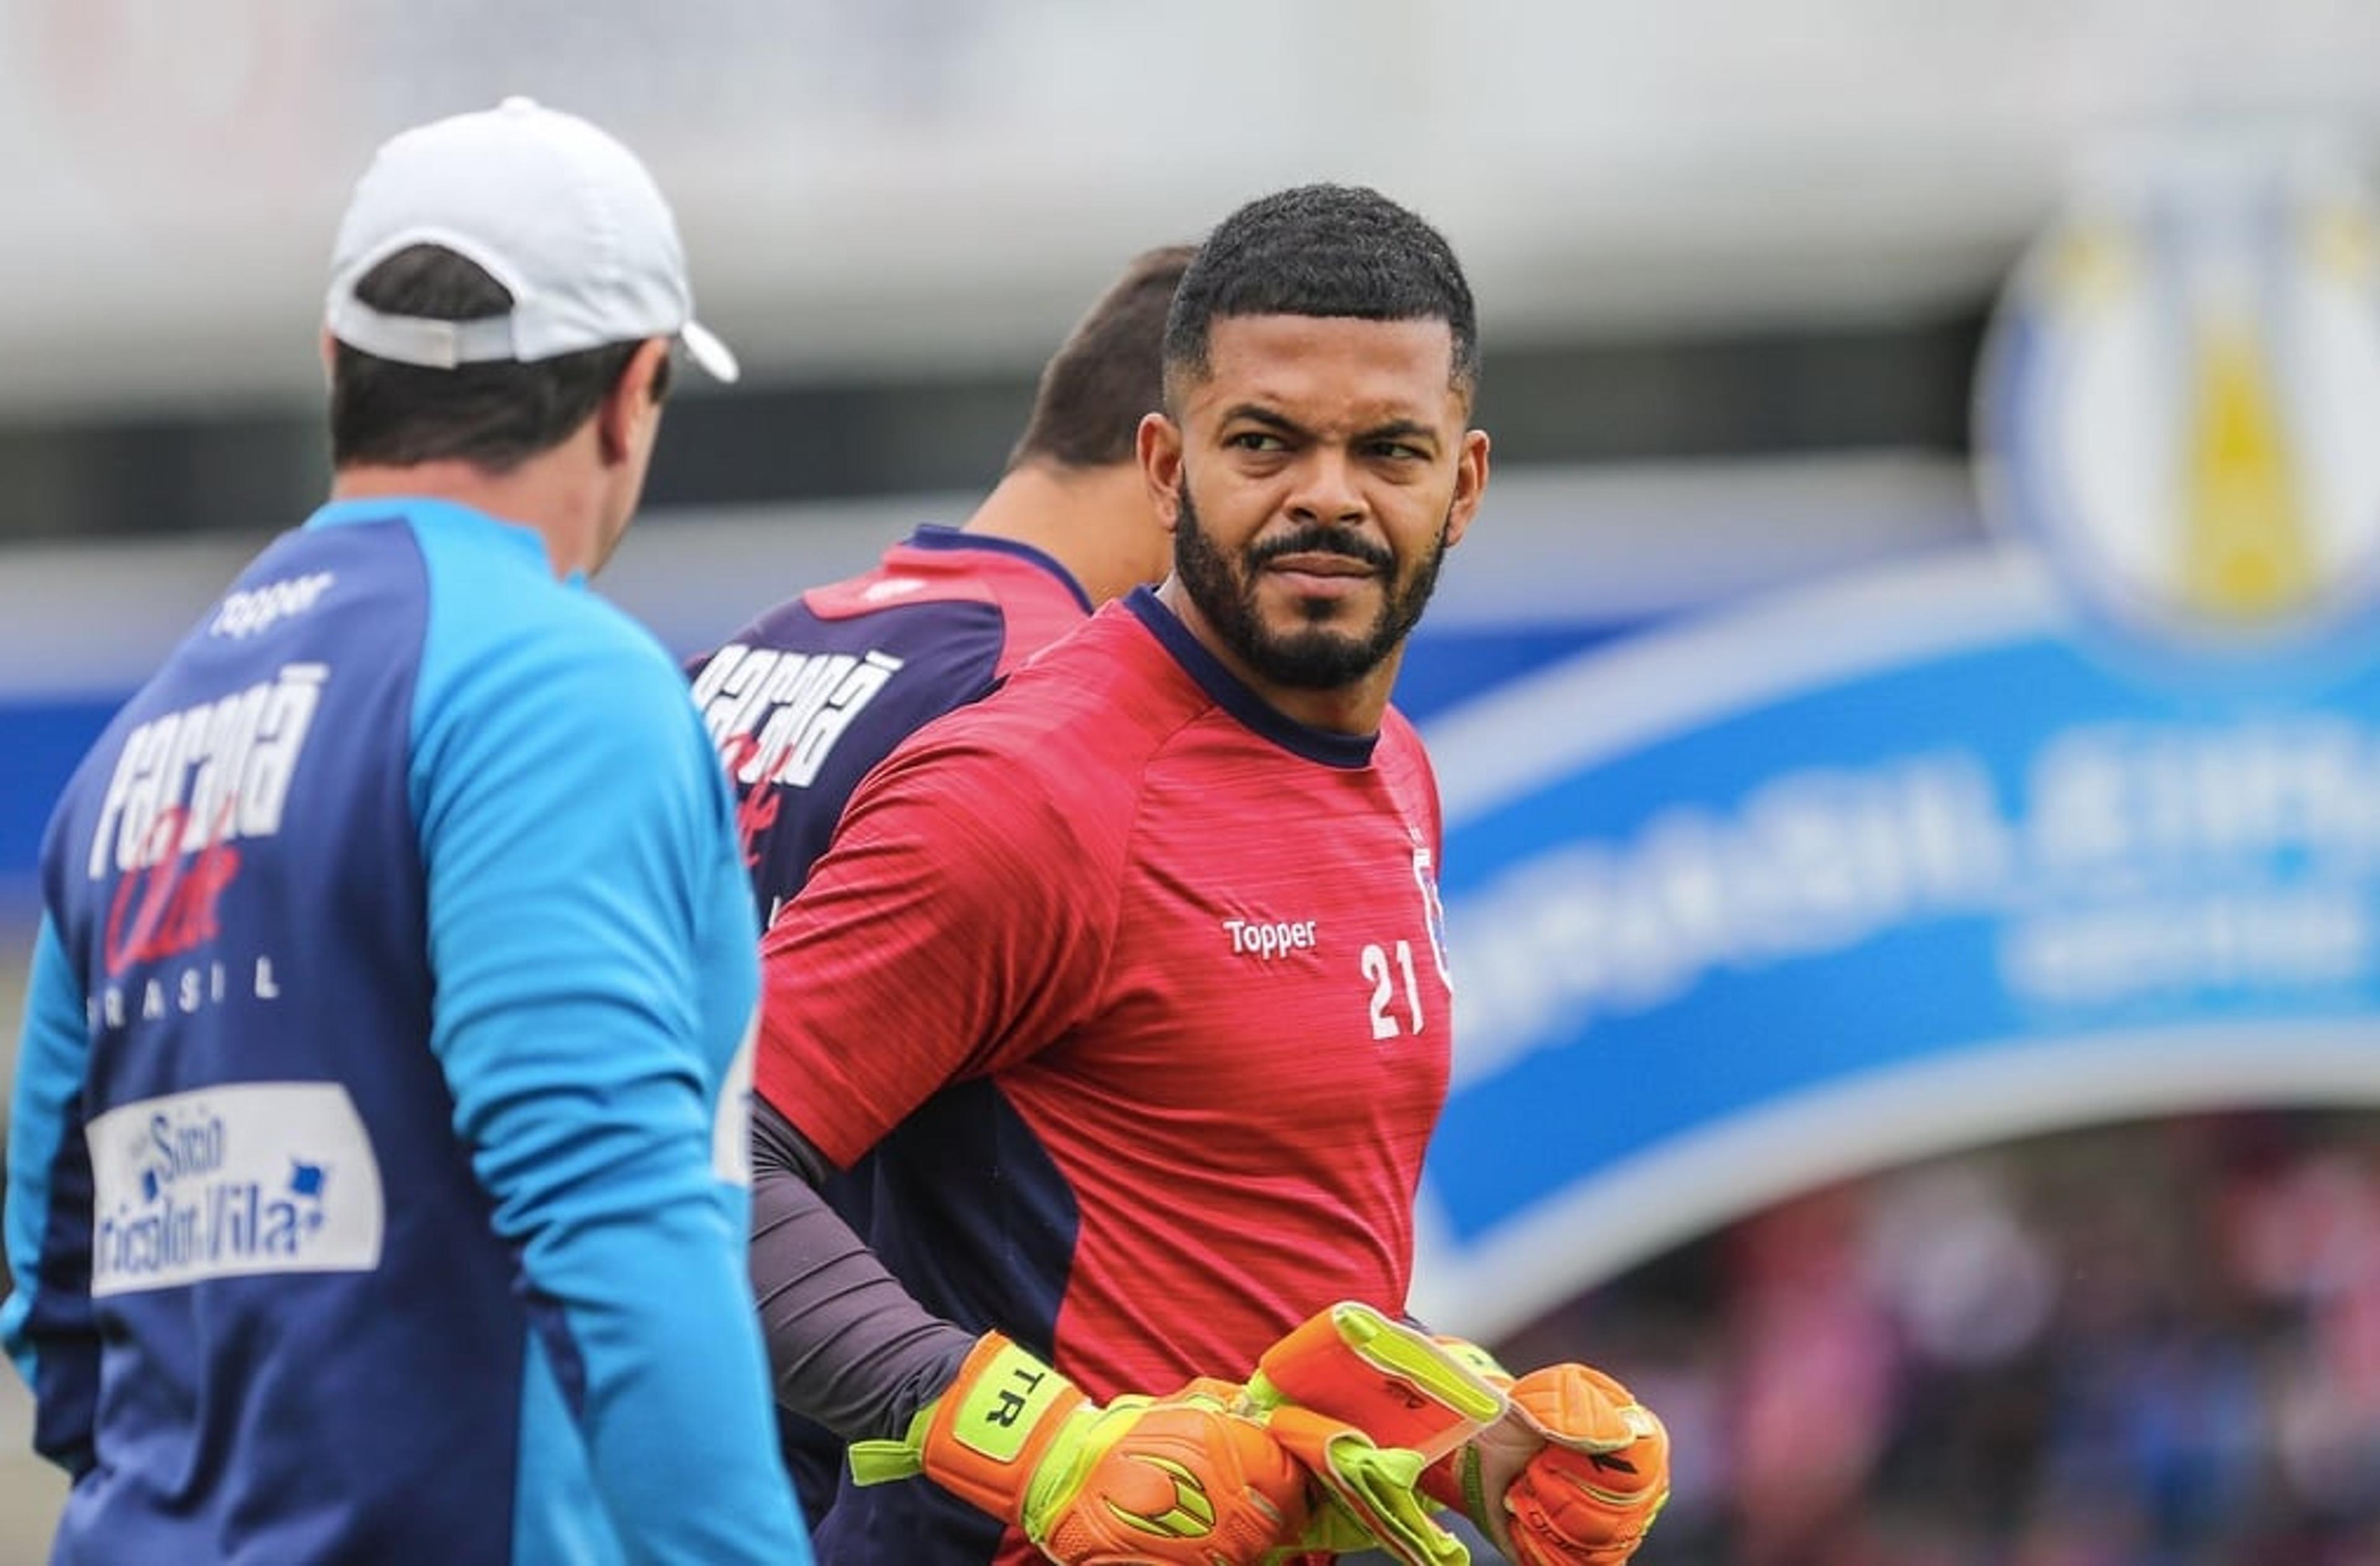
<point x="1108" y="372"/>
<point x="496" y="415"/>
<point x="1323" y="250"/>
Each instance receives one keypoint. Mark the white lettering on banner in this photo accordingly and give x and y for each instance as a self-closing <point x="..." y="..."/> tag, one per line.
<point x="2125" y="799"/>
<point x="775" y="716"/>
<point x="2319" y="937"/>
<point x="2138" y="857"/>
<point x="253" y="1178"/>
<point x="1812" y="862"/>
<point x="207" y="775"/>
<point x="1265" y="940"/>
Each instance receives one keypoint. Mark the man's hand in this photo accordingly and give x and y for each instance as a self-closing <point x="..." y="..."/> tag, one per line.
<point x="1574" y="1474"/>
<point x="1366" y="1402"/>
<point x="1136" y="1481"/>
<point x="1397" y="1385"/>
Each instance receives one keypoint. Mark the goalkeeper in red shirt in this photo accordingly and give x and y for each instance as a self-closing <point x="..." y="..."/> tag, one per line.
<point x="805" y="699"/>
<point x="1132" y="979"/>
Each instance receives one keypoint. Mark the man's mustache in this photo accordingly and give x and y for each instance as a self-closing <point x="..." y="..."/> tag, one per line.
<point x="1321" y="540"/>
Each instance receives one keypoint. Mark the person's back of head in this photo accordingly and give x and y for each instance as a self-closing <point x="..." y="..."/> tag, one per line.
<point x="1108" y="372"/>
<point x="1327" y="251"/>
<point x="1073" y="486"/>
<point x="497" y="277"/>
<point x="494" y="414"/>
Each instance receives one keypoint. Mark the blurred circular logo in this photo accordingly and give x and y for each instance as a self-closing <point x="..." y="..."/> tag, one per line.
<point x="2179" y="399"/>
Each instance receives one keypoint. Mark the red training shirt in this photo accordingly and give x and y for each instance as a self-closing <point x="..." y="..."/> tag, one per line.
<point x="1138" y="987"/>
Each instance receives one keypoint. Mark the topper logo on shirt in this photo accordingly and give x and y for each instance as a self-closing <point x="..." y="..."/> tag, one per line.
<point x="248" y="612"/>
<point x="187" y="786"/>
<point x="1266" y="939"/>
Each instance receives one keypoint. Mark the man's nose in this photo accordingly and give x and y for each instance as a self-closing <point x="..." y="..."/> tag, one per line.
<point x="1326" y="489"/>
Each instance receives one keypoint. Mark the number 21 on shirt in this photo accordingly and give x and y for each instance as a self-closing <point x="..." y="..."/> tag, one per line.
<point x="1385" y="972"/>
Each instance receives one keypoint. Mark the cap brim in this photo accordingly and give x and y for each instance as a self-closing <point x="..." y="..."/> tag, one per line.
<point x="703" y="347"/>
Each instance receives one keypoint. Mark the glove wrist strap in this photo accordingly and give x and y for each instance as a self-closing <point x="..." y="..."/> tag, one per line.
<point x="985" y="1435"/>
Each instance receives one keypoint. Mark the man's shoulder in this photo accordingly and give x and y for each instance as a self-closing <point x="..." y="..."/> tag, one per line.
<point x="841" y="618"/>
<point x="1108" y="685"/>
<point x="551" y="652"/>
<point x="1400" y="742"/>
<point x="493" y="595"/>
<point x="1401" y="752"/>
<point x="1024" y="746"/>
<point x="890" y="591"/>
<point x="940" y="566"/>
<point x="1077" y="729"/>
<point x="568" y="625"/>
<point x="963" y="608"/>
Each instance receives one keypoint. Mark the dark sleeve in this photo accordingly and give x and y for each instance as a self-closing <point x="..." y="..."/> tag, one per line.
<point x="848" y="1346"/>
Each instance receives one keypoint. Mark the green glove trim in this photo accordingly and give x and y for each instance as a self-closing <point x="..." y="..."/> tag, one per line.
<point x="882" y="1462"/>
<point x="1423" y="1361"/>
<point x="1371" y="1490"/>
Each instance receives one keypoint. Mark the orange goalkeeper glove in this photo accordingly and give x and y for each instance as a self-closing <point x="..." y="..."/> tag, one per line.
<point x="1137" y="1481"/>
<point x="1365" y="1403"/>
<point x="1574" y="1474"/>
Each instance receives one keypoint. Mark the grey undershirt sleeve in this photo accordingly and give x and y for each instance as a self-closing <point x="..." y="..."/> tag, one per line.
<point x="848" y="1346"/>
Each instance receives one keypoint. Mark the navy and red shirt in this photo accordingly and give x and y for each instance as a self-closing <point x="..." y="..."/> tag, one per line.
<point x="1133" y="991"/>
<point x="806" y="699"/>
<point x="803" y="702"/>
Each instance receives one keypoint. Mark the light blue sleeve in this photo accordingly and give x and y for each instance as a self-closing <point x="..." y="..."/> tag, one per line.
<point x="572" y="818"/>
<point x="47" y="1319"/>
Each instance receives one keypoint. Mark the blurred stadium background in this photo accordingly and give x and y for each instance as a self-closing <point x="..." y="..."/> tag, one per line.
<point x="1735" y="261"/>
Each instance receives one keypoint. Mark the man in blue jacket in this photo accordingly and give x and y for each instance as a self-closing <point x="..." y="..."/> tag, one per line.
<point x="377" y="1142"/>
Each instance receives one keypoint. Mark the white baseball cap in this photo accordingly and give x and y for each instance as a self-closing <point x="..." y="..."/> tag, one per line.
<point x="556" y="209"/>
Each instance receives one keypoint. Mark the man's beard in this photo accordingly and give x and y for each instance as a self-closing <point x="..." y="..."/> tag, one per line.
<point x="1317" y="655"/>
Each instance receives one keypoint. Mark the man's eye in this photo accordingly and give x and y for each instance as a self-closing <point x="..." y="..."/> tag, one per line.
<point x="1254" y="440"/>
<point x="1397" y="451"/>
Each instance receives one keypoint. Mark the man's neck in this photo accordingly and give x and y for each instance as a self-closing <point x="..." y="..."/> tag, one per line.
<point x="1097" y="522"/>
<point x="535" y="495"/>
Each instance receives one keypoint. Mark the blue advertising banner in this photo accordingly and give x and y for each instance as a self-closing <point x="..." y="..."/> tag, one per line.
<point x="2083" y="827"/>
<point x="1895" y="866"/>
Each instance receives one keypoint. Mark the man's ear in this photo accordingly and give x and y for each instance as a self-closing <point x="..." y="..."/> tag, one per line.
<point x="1159" y="447"/>
<point x="630" y="401"/>
<point x="1470" y="484"/>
